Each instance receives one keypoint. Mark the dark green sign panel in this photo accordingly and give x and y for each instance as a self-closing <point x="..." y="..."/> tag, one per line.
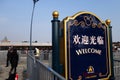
<point x="87" y="50"/>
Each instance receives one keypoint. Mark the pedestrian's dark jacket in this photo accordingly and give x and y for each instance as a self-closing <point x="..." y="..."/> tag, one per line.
<point x="14" y="58"/>
<point x="8" y="57"/>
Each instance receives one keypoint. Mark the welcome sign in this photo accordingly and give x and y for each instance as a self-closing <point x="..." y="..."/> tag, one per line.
<point x="87" y="52"/>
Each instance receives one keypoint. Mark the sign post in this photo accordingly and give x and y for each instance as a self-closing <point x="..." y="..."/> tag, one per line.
<point x="87" y="48"/>
<point x="55" y="42"/>
<point x="110" y="36"/>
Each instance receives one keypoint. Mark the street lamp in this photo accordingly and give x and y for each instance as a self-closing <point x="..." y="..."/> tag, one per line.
<point x="28" y="68"/>
<point x="34" y="2"/>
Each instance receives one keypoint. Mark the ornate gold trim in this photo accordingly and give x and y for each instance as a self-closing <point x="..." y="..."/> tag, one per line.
<point x="82" y="23"/>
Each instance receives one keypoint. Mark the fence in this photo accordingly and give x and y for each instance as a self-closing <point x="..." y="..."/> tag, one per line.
<point x="38" y="71"/>
<point x="117" y="69"/>
<point x="116" y="56"/>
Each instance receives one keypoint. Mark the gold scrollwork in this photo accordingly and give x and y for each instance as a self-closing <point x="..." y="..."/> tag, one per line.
<point x="88" y="21"/>
<point x="99" y="25"/>
<point x="82" y="23"/>
<point x="94" y="25"/>
<point x="70" y="24"/>
<point x="75" y="23"/>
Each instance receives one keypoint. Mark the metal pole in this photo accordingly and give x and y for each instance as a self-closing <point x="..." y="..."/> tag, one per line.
<point x="34" y="68"/>
<point x="55" y="42"/>
<point x="30" y="39"/>
<point x="111" y="52"/>
<point x="31" y="28"/>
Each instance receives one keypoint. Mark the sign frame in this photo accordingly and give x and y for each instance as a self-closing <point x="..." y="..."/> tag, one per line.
<point x="66" y="45"/>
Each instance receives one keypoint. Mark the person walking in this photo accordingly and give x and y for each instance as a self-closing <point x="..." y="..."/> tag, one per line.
<point x="8" y="56"/>
<point x="14" y="57"/>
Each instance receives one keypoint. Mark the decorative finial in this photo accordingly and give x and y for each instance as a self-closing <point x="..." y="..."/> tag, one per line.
<point x="55" y="14"/>
<point x="108" y="21"/>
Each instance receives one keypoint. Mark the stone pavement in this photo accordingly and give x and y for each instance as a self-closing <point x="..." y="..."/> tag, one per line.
<point x="4" y="73"/>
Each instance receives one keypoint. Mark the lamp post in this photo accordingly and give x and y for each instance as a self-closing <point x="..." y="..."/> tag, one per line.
<point x="34" y="2"/>
<point x="34" y="73"/>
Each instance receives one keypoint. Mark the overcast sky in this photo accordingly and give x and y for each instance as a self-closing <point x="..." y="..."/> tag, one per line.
<point x="15" y="16"/>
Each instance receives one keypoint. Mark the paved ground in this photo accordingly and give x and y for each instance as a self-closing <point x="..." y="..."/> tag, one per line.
<point x="4" y="71"/>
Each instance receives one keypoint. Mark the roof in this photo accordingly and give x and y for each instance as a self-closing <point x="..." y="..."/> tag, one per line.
<point x="24" y="44"/>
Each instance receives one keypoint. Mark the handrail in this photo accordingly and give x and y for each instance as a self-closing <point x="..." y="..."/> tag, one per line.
<point x="41" y="67"/>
